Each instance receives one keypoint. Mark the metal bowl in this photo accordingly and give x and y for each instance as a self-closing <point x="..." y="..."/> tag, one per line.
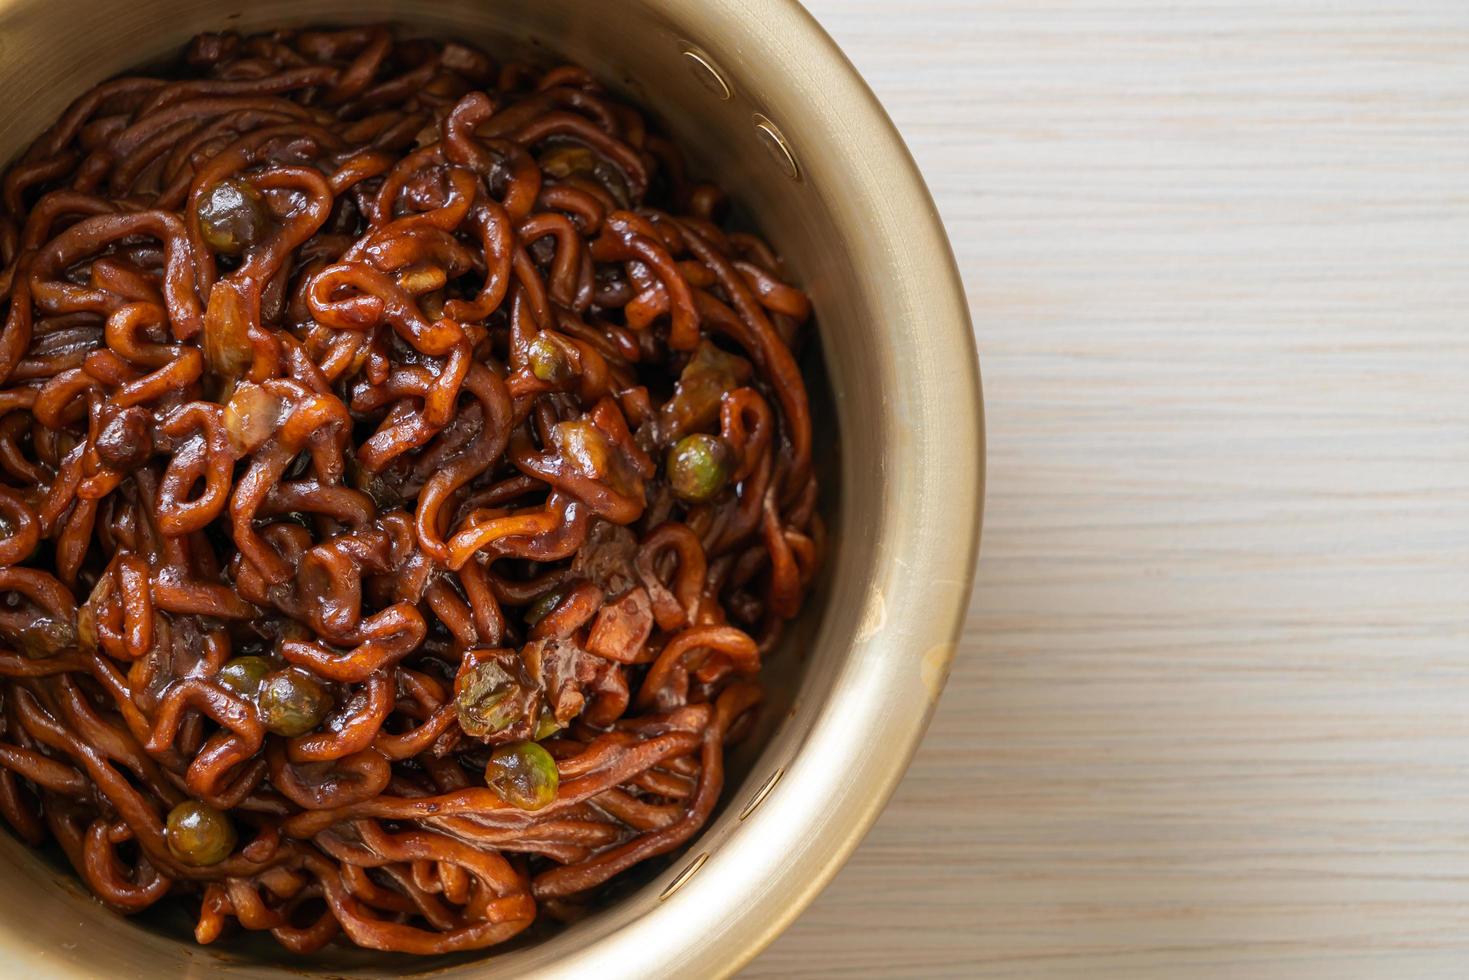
<point x="767" y="106"/>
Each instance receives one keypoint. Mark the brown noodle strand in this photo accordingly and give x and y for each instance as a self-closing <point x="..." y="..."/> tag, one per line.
<point x="372" y="361"/>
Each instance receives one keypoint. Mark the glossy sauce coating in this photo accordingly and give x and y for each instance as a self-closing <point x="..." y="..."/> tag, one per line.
<point x="348" y="593"/>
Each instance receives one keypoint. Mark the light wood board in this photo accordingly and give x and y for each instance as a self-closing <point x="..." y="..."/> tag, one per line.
<point x="1211" y="713"/>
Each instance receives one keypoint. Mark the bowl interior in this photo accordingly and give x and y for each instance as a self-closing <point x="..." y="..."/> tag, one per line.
<point x="642" y="49"/>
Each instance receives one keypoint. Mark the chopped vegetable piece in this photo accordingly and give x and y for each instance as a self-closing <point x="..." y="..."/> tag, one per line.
<point x="704" y="380"/>
<point x="491" y="698"/>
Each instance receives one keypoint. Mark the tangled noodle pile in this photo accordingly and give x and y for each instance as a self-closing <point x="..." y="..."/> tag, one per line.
<point x="401" y="479"/>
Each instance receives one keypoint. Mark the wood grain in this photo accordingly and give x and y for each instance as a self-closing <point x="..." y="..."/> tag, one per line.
<point x="1211" y="714"/>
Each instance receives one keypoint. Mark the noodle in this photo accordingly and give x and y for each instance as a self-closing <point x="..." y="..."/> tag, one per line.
<point x="402" y="476"/>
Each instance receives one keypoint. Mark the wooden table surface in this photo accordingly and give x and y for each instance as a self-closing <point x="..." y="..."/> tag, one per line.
<point x="1210" y="717"/>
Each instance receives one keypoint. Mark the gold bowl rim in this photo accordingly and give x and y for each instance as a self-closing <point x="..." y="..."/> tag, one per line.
<point x="728" y="898"/>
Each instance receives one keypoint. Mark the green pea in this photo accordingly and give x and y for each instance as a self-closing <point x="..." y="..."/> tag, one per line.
<point x="524" y="775"/>
<point x="198" y="834"/>
<point x="488" y="698"/>
<point x="292" y="702"/>
<point x="698" y="467"/>
<point x="244" y="675"/>
<point x="232" y="216"/>
<point x="548" y="361"/>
